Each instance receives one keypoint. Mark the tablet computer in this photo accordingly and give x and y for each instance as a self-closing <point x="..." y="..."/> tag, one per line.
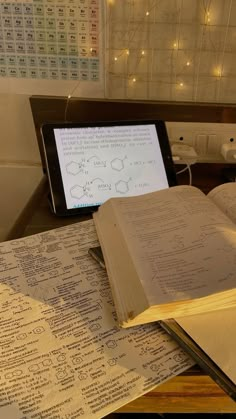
<point x="88" y="163"/>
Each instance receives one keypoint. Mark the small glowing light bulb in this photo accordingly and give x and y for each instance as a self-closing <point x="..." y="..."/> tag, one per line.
<point x="175" y="45"/>
<point x="127" y="52"/>
<point x="218" y="72"/>
<point x="143" y="52"/>
<point x="69" y="96"/>
<point x="134" y="80"/>
<point x="188" y="63"/>
<point x="181" y="84"/>
<point x="147" y="13"/>
<point x="115" y="58"/>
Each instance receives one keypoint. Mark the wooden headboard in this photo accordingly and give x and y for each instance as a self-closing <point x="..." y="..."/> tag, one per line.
<point x="59" y="109"/>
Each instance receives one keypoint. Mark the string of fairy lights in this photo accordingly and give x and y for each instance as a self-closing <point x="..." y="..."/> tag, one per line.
<point x="138" y="64"/>
<point x="176" y="74"/>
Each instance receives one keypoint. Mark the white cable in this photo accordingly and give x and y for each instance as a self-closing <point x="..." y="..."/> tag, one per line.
<point x="190" y="174"/>
<point x="187" y="167"/>
<point x="183" y="170"/>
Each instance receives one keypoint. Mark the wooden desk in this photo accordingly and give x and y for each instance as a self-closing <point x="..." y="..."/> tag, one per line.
<point x="191" y="392"/>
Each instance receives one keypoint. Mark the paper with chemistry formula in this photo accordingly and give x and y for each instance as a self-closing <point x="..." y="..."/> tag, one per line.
<point x="62" y="354"/>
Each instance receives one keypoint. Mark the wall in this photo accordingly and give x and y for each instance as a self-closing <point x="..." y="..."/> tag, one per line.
<point x="172" y="50"/>
<point x="20" y="163"/>
<point x="18" y="142"/>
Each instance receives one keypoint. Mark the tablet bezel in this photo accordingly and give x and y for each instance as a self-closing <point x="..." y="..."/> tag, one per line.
<point x="58" y="200"/>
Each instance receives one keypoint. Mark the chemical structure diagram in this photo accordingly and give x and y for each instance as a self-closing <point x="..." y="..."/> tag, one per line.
<point x="118" y="164"/>
<point x="74" y="168"/>
<point x="122" y="186"/>
<point x="80" y="190"/>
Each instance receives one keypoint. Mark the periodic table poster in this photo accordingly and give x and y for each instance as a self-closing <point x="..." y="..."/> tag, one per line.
<point x="50" y="41"/>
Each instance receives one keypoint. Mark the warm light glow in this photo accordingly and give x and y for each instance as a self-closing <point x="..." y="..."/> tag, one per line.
<point x="155" y="44"/>
<point x="208" y="17"/>
<point x="91" y="49"/>
<point x="69" y="96"/>
<point x="111" y="2"/>
<point x="218" y="72"/>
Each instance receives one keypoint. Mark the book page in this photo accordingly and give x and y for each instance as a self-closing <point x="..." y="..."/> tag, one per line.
<point x="224" y="196"/>
<point x="182" y="245"/>
<point x="215" y="334"/>
<point x="62" y="354"/>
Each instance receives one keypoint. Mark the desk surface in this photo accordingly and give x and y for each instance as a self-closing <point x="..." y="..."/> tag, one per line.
<point x="191" y="392"/>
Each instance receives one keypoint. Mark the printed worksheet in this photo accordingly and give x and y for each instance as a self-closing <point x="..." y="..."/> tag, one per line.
<point x="62" y="353"/>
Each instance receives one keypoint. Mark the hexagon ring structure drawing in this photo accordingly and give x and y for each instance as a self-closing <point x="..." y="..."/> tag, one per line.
<point x="77" y="191"/>
<point x="121" y="186"/>
<point x="73" y="168"/>
<point x="117" y="164"/>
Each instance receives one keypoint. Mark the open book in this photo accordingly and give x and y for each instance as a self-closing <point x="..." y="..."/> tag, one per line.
<point x="210" y="337"/>
<point x="170" y="253"/>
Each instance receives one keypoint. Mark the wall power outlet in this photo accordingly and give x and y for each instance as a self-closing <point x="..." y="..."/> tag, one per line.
<point x="183" y="153"/>
<point x="205" y="138"/>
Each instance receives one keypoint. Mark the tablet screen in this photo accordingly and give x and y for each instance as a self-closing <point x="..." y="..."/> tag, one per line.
<point x="88" y="164"/>
<point x="102" y="162"/>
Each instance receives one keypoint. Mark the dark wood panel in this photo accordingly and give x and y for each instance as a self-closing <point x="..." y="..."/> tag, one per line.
<point x="205" y="176"/>
<point x="46" y="108"/>
<point x="59" y="109"/>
